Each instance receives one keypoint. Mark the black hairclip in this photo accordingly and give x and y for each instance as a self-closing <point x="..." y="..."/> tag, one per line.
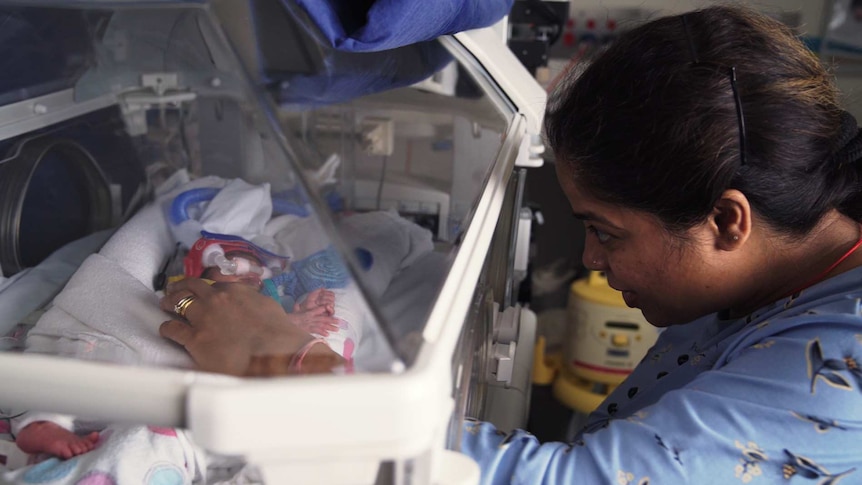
<point x="740" y="117"/>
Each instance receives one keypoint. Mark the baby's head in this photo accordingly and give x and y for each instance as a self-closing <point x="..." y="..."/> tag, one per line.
<point x="241" y="258"/>
<point x="231" y="259"/>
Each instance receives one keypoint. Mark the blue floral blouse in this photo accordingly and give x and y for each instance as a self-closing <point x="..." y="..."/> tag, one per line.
<point x="775" y="397"/>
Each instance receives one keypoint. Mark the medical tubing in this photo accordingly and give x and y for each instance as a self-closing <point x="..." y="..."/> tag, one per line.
<point x="179" y="211"/>
<point x="213" y="255"/>
<point x="180" y="206"/>
<point x="296" y="362"/>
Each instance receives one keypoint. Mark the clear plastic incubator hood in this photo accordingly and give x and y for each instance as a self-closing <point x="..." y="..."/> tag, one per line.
<point x="391" y="178"/>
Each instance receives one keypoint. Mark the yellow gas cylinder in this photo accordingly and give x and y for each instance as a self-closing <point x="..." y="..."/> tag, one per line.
<point x="604" y="341"/>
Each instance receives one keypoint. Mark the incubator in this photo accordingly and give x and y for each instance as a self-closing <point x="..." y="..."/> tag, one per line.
<point x="392" y="178"/>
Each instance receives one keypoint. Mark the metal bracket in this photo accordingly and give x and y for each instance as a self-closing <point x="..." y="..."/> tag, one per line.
<point x="159" y="90"/>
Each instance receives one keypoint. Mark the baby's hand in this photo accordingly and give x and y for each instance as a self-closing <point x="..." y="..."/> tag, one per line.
<point x="319" y="298"/>
<point x="316" y="320"/>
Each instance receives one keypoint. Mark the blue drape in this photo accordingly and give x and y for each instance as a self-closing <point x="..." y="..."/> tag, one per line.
<point x="375" y="25"/>
<point x="349" y="75"/>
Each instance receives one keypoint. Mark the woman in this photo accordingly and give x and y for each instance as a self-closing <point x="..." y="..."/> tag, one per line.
<point x="721" y="188"/>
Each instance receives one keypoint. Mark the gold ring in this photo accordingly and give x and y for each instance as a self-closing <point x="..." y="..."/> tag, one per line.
<point x="183" y="305"/>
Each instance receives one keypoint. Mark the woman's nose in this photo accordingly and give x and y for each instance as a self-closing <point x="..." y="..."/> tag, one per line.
<point x="593" y="259"/>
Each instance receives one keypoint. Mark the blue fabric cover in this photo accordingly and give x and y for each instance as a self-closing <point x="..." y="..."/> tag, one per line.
<point x="363" y="26"/>
<point x="347" y="76"/>
<point x="304" y="71"/>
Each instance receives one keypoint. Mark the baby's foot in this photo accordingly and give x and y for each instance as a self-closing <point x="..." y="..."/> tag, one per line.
<point x="47" y="437"/>
<point x="320" y="297"/>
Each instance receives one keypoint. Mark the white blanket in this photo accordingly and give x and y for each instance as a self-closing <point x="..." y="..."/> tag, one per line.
<point x="108" y="310"/>
<point x="34" y="288"/>
<point x="106" y="314"/>
<point x="160" y="456"/>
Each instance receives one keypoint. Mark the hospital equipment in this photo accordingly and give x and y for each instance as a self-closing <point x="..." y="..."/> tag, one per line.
<point x="166" y="96"/>
<point x="214" y="256"/>
<point x="211" y="251"/>
<point x="604" y="341"/>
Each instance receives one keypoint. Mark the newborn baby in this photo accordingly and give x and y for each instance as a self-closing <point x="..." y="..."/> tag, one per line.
<point x="217" y="260"/>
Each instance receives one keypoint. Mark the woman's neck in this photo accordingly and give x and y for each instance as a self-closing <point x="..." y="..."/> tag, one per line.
<point x="785" y="266"/>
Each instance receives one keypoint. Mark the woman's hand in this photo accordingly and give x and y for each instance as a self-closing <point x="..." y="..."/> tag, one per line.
<point x="227" y="325"/>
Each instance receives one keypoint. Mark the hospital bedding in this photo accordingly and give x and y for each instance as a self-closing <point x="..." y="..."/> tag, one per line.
<point x="112" y="273"/>
<point x="32" y="288"/>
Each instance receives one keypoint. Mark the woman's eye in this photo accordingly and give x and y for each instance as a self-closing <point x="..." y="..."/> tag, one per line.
<point x="602" y="236"/>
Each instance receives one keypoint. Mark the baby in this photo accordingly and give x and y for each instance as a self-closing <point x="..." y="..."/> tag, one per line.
<point x="219" y="259"/>
<point x="229" y="259"/>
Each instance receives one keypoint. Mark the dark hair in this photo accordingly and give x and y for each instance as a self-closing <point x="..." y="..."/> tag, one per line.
<point x="645" y="126"/>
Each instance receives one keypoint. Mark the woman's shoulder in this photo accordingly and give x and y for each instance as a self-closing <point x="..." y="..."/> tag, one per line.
<point x="811" y="325"/>
<point x="832" y="306"/>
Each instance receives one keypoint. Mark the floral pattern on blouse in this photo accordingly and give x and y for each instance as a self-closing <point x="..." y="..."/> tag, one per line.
<point x="628" y="478"/>
<point x="822" y="425"/>
<point x="832" y="371"/>
<point x="799" y="465"/>
<point x="749" y="465"/>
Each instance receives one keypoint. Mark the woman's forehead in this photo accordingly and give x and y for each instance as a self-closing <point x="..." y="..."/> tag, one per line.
<point x="581" y="200"/>
<point x="587" y="207"/>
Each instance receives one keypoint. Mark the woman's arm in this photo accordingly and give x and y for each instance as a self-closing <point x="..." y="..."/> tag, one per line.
<point x="781" y="408"/>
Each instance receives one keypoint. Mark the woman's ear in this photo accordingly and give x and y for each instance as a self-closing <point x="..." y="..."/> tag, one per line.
<point x="731" y="220"/>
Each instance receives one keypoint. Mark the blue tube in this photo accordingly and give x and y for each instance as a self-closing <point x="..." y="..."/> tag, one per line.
<point x="281" y="203"/>
<point x="180" y="206"/>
